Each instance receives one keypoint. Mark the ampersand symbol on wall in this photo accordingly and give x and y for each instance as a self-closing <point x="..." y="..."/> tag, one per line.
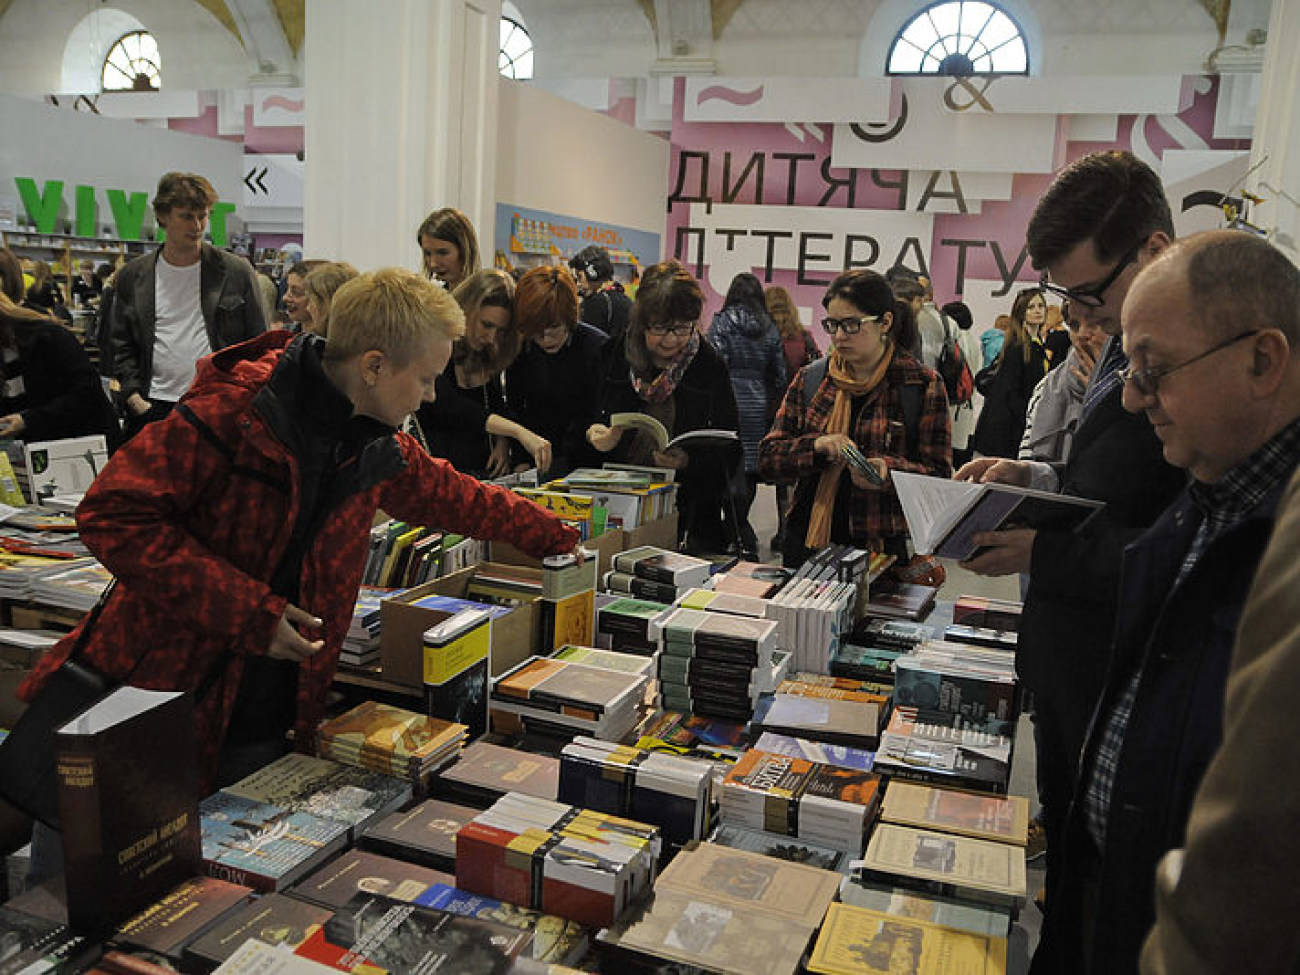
<point x="968" y="86"/>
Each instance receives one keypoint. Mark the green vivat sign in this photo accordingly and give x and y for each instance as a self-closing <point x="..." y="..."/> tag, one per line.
<point x="43" y="204"/>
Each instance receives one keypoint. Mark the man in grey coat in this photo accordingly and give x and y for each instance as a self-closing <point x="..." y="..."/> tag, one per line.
<point x="172" y="307"/>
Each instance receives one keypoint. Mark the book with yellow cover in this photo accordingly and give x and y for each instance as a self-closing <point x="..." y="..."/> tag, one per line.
<point x="1002" y="818"/>
<point x="857" y="941"/>
<point x="566" y="621"/>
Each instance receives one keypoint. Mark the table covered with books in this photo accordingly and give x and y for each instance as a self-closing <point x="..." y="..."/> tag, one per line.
<point x="673" y="761"/>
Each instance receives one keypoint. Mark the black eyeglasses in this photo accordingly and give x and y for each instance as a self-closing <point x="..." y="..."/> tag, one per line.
<point x="678" y="329"/>
<point x="849" y="326"/>
<point x="1094" y="296"/>
<point x="1147" y="381"/>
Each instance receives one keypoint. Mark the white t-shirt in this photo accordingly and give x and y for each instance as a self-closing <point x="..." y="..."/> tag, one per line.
<point x="180" y="337"/>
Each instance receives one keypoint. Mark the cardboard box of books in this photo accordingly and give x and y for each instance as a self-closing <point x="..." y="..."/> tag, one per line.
<point x="605" y="546"/>
<point x="401" y="641"/>
<point x="662" y="532"/>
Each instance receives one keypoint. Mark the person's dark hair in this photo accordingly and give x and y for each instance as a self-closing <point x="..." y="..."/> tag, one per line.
<point x="104" y="271"/>
<point x="451" y="225"/>
<point x="1018" y="334"/>
<point x="11" y="276"/>
<point x="594" y="262"/>
<point x="960" y="313"/>
<point x="188" y="190"/>
<point x="907" y="289"/>
<point x="1112" y="198"/>
<point x="904" y="331"/>
<point x="304" y="268"/>
<point x="900" y="272"/>
<point x="546" y="296"/>
<point x="667" y="294"/>
<point x="746" y="291"/>
<point x="1236" y="279"/>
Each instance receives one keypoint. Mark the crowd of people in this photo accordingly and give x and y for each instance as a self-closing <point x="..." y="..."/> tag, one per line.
<point x="1097" y="384"/>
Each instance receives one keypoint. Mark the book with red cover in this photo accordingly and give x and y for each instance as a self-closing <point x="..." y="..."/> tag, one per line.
<point x="129" y="804"/>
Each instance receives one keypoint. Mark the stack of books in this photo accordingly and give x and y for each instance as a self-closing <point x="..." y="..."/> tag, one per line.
<point x="661" y="565"/>
<point x="361" y="645"/>
<point x="851" y="934"/>
<point x="20" y="572"/>
<point x="344" y="793"/>
<point x="823" y="804"/>
<point x="76" y="587"/>
<point x="891" y="599"/>
<point x="410" y="555"/>
<point x="424" y="834"/>
<point x="485" y="772"/>
<point x="262" y="846"/>
<point x="549" y="856"/>
<point x="869" y="653"/>
<point x="783" y="848"/>
<point x="170" y="924"/>
<point x="560" y="697"/>
<point x="578" y="512"/>
<point x="567" y="609"/>
<point x="734" y="604"/>
<point x="391" y="740"/>
<point x="693" y="735"/>
<point x="930" y="747"/>
<point x="723" y="910"/>
<point x="816" y="751"/>
<point x="624" y="583"/>
<point x="626" y="625"/>
<point x="556" y="941"/>
<point x="815" y="608"/>
<point x="716" y="664"/>
<point x="756" y="579"/>
<point x="668" y="791"/>
<point x="827" y="713"/>
<point x="950" y="912"/>
<point x="974" y="684"/>
<point x="1003" y="819"/>
<point x="627" y="663"/>
<point x="946" y="864"/>
<point x="631" y="497"/>
<point x="995" y="614"/>
<point x="504" y="585"/>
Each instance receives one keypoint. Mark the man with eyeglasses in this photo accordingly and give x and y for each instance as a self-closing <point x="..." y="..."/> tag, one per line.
<point x="1103" y="219"/>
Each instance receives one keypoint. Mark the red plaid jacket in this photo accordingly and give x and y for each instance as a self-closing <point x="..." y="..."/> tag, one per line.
<point x="194" y="518"/>
<point x="786" y="453"/>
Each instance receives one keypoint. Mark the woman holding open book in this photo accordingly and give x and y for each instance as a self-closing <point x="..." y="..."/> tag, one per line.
<point x="666" y="369"/>
<point x="868" y="409"/>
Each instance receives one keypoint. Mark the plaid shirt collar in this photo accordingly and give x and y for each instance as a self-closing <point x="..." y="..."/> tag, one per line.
<point x="1240" y="491"/>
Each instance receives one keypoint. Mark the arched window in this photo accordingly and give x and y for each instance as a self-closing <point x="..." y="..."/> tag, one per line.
<point x="516" y="58"/>
<point x="959" y="38"/>
<point x="133" y="64"/>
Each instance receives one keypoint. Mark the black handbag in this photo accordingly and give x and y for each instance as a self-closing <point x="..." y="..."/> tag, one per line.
<point x="27" y="765"/>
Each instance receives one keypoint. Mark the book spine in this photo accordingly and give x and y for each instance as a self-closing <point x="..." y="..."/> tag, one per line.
<point x="81" y="820"/>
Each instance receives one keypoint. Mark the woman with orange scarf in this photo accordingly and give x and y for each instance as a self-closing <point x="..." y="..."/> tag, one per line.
<point x="873" y="396"/>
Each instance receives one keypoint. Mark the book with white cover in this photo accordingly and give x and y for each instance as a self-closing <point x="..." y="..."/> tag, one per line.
<point x="943" y="515"/>
<point x="61" y="467"/>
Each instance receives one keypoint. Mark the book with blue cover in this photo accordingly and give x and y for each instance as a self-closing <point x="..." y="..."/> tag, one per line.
<point x="264" y="846"/>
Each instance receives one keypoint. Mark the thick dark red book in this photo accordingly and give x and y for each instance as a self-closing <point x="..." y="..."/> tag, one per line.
<point x="128" y="803"/>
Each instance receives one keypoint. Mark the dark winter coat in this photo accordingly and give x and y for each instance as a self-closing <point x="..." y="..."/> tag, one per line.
<point x="751" y="347"/>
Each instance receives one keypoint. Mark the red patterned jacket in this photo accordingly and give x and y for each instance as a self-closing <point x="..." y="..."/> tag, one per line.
<point x="194" y="514"/>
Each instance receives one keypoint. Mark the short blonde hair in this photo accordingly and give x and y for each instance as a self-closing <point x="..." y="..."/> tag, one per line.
<point x="392" y="310"/>
<point x="321" y="283"/>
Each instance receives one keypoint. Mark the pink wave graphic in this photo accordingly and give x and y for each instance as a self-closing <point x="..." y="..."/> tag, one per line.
<point x="729" y="95"/>
<point x="279" y="101"/>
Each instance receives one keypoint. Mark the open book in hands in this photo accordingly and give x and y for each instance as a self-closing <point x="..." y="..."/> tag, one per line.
<point x="659" y="434"/>
<point x="943" y="515"/>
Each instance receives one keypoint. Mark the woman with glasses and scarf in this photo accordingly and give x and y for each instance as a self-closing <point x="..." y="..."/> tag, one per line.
<point x="869" y="398"/>
<point x="665" y="368"/>
<point x="1022" y="364"/>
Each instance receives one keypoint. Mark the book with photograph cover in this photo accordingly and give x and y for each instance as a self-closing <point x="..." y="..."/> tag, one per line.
<point x="555" y="941"/>
<point x="263" y="846"/>
<point x="345" y="793"/>
<point x="360" y="871"/>
<point x="921" y="747"/>
<point x="986" y="919"/>
<point x="789" y="848"/>
<point x="424" y="834"/>
<point x="273" y="919"/>
<point x="857" y="941"/>
<point x="1001" y="818"/>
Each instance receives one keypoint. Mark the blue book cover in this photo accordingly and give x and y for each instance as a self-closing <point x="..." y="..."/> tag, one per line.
<point x="815" y="751"/>
<point x="263" y="846"/>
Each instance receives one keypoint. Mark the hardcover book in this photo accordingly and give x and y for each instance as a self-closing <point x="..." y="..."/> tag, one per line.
<point x="555" y="941"/>
<point x="627" y="663"/>
<point x="359" y="871"/>
<point x="789" y="848"/>
<point x="1002" y="818"/>
<point x="273" y="919"/>
<point x="943" y="515"/>
<point x="956" y="866"/>
<point x="345" y="793"/>
<point x="851" y="723"/>
<point x="179" y="916"/>
<point x="263" y="846"/>
<point x="920" y="747"/>
<point x="424" y="834"/>
<point x="568" y="620"/>
<point x="815" y="751"/>
<point x="857" y="941"/>
<point x="390" y="739"/>
<point x="128" y="797"/>
<point x="456" y="670"/>
<point x="485" y="771"/>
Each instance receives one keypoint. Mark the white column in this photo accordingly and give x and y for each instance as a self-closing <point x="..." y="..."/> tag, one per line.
<point x="1276" y="145"/>
<point x="401" y="119"/>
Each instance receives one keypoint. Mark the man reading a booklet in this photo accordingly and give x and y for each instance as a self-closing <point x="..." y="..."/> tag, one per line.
<point x="1209" y="330"/>
<point x="238" y="525"/>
